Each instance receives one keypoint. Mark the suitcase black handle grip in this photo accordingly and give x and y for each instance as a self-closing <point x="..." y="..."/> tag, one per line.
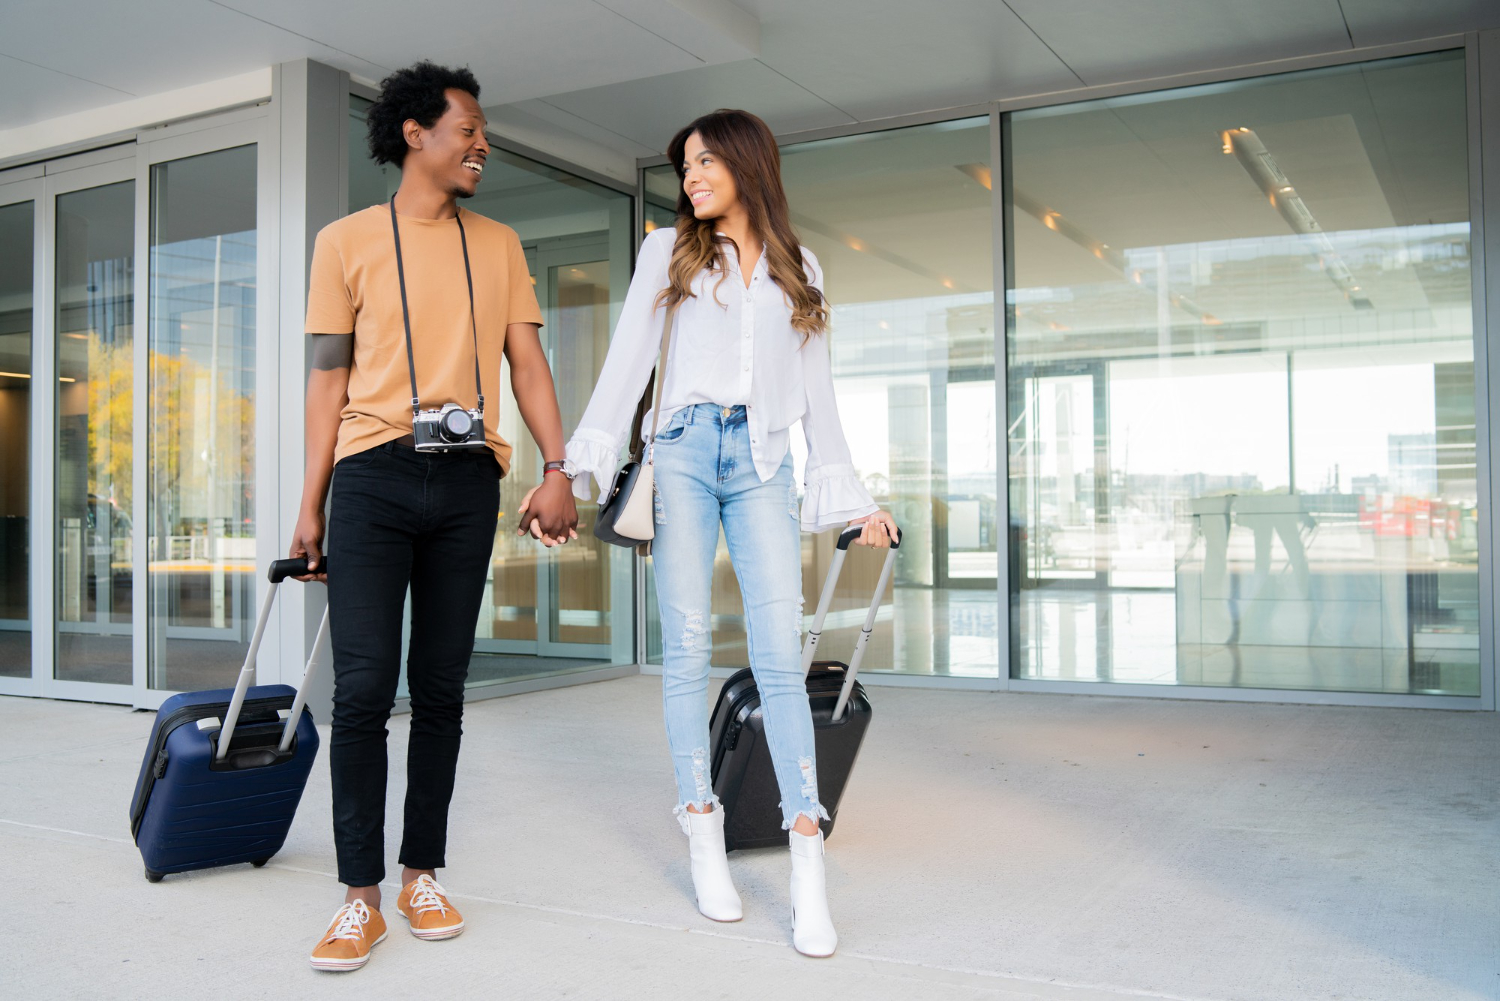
<point x="282" y="569"/>
<point x="848" y="535"/>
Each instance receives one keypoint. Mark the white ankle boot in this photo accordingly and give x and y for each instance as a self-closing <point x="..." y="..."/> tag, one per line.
<point x="812" y="926"/>
<point x="716" y="896"/>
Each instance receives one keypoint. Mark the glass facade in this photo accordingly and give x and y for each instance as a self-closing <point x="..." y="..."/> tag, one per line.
<point x="200" y="505"/>
<point x="546" y="612"/>
<point x="1240" y="385"/>
<point x="1222" y="434"/>
<point x="902" y="225"/>
<point x="95" y="327"/>
<point x="17" y="275"/>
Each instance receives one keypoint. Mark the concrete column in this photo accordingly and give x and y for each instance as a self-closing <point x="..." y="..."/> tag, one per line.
<point x="307" y="133"/>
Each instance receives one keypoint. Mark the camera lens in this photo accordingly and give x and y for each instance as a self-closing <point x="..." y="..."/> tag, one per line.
<point x="456" y="425"/>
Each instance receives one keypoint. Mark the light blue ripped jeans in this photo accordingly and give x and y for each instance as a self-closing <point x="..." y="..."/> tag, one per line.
<point x="705" y="475"/>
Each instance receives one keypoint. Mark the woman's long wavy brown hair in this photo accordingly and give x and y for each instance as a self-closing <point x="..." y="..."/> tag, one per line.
<point x="747" y="148"/>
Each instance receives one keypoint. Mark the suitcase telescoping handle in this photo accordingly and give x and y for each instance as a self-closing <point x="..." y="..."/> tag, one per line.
<point x="809" y="649"/>
<point x="280" y="571"/>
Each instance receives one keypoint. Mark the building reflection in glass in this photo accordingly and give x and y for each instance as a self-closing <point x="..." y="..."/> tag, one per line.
<point x="1241" y="385"/>
<point x="905" y="238"/>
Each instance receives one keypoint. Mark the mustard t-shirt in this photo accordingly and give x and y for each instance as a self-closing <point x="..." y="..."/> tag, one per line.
<point x="354" y="289"/>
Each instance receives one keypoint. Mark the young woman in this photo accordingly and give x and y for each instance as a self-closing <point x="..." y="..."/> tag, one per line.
<point x="748" y="359"/>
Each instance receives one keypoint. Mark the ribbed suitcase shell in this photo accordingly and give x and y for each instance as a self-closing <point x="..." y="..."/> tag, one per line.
<point x="188" y="814"/>
<point x="743" y="777"/>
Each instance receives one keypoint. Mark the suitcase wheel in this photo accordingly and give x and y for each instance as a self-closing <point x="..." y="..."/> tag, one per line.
<point x="260" y="862"/>
<point x="153" y="876"/>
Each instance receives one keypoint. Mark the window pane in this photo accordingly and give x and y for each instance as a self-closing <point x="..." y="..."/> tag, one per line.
<point x="545" y="611"/>
<point x="571" y="605"/>
<point x="95" y="364"/>
<point x="16" y="277"/>
<point x="201" y="503"/>
<point x="1241" y="385"/>
<point x="901" y="223"/>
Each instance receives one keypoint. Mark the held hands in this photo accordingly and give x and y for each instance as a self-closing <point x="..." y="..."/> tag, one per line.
<point x="878" y="529"/>
<point x="548" y="513"/>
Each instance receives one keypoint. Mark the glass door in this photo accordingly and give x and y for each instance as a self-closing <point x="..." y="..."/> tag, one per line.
<point x="18" y="255"/>
<point x="557" y="604"/>
<point x="90" y="455"/>
<point x="575" y="586"/>
<point x="201" y="455"/>
<point x="141" y="276"/>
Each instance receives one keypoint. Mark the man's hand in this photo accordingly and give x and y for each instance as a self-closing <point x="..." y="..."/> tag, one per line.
<point x="307" y="540"/>
<point x="548" y="512"/>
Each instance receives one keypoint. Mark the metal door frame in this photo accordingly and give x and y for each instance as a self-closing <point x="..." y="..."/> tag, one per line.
<point x="544" y="255"/>
<point x="16" y="192"/>
<point x="42" y="184"/>
<point x="60" y="180"/>
<point x="164" y="146"/>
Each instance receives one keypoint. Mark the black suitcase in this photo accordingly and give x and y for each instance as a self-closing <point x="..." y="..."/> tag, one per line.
<point x="743" y="777"/>
<point x="224" y="770"/>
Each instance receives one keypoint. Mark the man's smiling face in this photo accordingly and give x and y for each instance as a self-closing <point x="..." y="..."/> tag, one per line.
<point x="454" y="150"/>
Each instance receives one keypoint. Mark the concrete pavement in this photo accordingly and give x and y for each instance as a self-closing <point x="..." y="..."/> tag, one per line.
<point x="990" y="846"/>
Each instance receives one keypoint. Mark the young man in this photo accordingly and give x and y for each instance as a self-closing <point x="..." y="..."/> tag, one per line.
<point x="410" y="306"/>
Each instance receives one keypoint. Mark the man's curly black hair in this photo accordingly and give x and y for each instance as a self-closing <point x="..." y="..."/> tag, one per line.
<point x="417" y="92"/>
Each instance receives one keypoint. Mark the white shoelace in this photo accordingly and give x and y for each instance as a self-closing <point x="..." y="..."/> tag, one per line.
<point x="350" y="921"/>
<point x="425" y="896"/>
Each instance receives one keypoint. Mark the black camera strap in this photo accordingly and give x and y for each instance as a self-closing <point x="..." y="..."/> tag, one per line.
<point x="411" y="363"/>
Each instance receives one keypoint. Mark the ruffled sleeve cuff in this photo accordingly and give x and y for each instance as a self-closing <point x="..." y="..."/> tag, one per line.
<point x="834" y="497"/>
<point x="593" y="454"/>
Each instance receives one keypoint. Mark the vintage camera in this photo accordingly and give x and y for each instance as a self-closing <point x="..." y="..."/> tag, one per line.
<point x="448" y="430"/>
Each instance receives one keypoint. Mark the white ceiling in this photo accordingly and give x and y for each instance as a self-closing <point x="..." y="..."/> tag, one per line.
<point x="622" y="75"/>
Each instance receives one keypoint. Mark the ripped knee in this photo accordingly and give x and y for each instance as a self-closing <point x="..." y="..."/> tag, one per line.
<point x="694" y="631"/>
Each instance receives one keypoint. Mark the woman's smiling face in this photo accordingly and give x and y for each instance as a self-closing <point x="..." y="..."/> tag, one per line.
<point x="706" y="180"/>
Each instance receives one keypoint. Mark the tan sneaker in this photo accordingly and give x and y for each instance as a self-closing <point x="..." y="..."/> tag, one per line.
<point x="354" y="932"/>
<point x="423" y="904"/>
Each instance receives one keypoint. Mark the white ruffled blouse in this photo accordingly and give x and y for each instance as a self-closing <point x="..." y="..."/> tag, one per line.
<point x="731" y="346"/>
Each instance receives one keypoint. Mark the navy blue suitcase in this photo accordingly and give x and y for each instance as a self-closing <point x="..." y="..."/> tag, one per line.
<point x="224" y="769"/>
<point x="743" y="776"/>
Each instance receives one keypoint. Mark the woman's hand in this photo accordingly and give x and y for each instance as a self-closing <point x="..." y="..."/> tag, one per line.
<point x="553" y="518"/>
<point x="878" y="531"/>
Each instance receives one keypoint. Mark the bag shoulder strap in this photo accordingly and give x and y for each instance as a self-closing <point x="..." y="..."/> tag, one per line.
<point x="658" y="379"/>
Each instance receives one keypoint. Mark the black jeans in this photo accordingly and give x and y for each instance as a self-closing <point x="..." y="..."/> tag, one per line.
<point x="400" y="516"/>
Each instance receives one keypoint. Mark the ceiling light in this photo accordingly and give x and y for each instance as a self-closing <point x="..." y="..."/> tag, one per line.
<point x="1268" y="176"/>
<point x="979" y="173"/>
<point x="27" y="375"/>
